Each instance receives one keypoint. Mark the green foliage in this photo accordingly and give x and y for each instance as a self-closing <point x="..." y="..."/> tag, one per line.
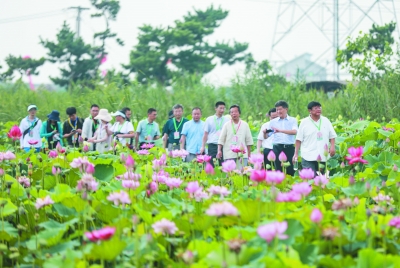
<point x="21" y="65"/>
<point x="184" y="46"/>
<point x="369" y="55"/>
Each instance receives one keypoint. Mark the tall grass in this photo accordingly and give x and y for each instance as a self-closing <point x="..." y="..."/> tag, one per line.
<point x="376" y="99"/>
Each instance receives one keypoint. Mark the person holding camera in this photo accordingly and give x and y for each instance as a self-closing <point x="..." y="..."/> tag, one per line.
<point x="264" y="142"/>
<point x="72" y="127"/>
<point x="51" y="130"/>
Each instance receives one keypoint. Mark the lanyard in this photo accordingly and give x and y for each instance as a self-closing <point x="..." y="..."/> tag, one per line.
<point x="233" y="128"/>
<point x="176" y="128"/>
<point x="31" y="123"/>
<point x="121" y="126"/>
<point x="75" y="123"/>
<point x="318" y="127"/>
<point x="149" y="129"/>
<point x="95" y="125"/>
<point x="53" y="127"/>
<point x="218" y="127"/>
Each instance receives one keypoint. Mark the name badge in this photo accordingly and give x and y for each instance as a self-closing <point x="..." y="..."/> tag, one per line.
<point x="218" y="133"/>
<point x="30" y="133"/>
<point x="234" y="140"/>
<point x="319" y="136"/>
<point x="176" y="135"/>
<point x="148" y="138"/>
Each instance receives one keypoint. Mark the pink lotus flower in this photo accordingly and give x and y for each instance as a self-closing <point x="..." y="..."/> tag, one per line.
<point x="129" y="162"/>
<point x="14" y="133"/>
<point x="222" y="191"/>
<point x="209" y="169"/>
<point x="238" y="149"/>
<point x="143" y="152"/>
<point x="319" y="158"/>
<point x="147" y="146"/>
<point x="9" y="156"/>
<point x="228" y="166"/>
<point x="222" y="209"/>
<point x="24" y="181"/>
<point x="41" y="202"/>
<point x="53" y="154"/>
<point x="55" y="171"/>
<point x="302" y="188"/>
<point x="316" y="215"/>
<point x="33" y="142"/>
<point x="100" y="235"/>
<point x="165" y="226"/>
<point x="121" y="197"/>
<point x="179" y="153"/>
<point x="342" y="165"/>
<point x="321" y="181"/>
<point x="173" y="182"/>
<point x="270" y="231"/>
<point x="85" y="148"/>
<point x="80" y="162"/>
<point x="203" y="158"/>
<point x="307" y="174"/>
<point x="130" y="184"/>
<point x="271" y="156"/>
<point x="288" y="197"/>
<point x="258" y="175"/>
<point x="87" y="183"/>
<point x="356" y="155"/>
<point x="90" y="168"/>
<point x="199" y="195"/>
<point x="395" y="222"/>
<point x="282" y="157"/>
<point x="153" y="186"/>
<point x="275" y="177"/>
<point x="129" y="175"/>
<point x="257" y="160"/>
<point x="192" y="187"/>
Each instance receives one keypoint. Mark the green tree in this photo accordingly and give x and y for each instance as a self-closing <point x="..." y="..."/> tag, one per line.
<point x="263" y="72"/>
<point x="78" y="59"/>
<point x="369" y="55"/>
<point x="22" y="65"/>
<point x="183" y="47"/>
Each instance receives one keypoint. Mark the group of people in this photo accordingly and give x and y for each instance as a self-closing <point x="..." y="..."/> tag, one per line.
<point x="221" y="137"/>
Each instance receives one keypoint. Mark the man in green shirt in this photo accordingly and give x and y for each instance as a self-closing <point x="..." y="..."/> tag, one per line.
<point x="173" y="129"/>
<point x="147" y="130"/>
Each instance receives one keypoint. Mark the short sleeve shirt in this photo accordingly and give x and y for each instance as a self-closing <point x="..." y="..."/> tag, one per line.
<point x="169" y="129"/>
<point x="147" y="131"/>
<point x="125" y="128"/>
<point x="194" y="136"/>
<point x="213" y="127"/>
<point x="69" y="126"/>
<point x="288" y="123"/>
<point x="266" y="143"/>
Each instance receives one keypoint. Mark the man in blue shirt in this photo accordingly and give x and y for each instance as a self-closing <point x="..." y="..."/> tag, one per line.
<point x="192" y="135"/>
<point x="148" y="130"/>
<point x="285" y="129"/>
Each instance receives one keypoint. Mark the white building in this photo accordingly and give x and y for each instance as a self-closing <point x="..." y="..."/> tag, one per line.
<point x="302" y="68"/>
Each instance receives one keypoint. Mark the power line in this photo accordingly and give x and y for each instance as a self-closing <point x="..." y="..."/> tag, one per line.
<point x="32" y="16"/>
<point x="78" y="18"/>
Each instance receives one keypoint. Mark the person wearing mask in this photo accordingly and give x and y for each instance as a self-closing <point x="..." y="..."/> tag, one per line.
<point x="173" y="129"/>
<point x="30" y="128"/>
<point x="315" y="138"/>
<point x="264" y="143"/>
<point x="51" y="130"/>
<point x="284" y="131"/>
<point x="122" y="129"/>
<point x="192" y="135"/>
<point x="103" y="136"/>
<point x="237" y="134"/>
<point x="90" y="126"/>
<point x="147" y="130"/>
<point x="72" y="127"/>
<point x="212" y="130"/>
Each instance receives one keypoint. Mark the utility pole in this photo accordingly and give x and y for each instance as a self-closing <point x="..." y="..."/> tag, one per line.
<point x="335" y="38"/>
<point x="78" y="18"/>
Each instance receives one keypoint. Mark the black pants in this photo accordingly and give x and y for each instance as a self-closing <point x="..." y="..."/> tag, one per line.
<point x="266" y="161"/>
<point x="212" y="151"/>
<point x="288" y="149"/>
<point x="313" y="165"/>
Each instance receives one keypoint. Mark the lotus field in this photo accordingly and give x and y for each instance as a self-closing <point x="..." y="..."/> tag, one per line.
<point x="68" y="208"/>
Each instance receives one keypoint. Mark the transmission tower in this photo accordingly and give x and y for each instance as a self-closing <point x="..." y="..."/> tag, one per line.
<point x="78" y="18"/>
<point x="321" y="27"/>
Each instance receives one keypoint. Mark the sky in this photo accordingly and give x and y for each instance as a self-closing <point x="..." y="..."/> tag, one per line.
<point x="251" y="21"/>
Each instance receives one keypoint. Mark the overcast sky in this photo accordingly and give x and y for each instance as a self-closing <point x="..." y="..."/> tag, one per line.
<point x="252" y="21"/>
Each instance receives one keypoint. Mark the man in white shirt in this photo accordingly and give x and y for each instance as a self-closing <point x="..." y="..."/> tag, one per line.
<point x="90" y="126"/>
<point x="30" y="127"/>
<point x="314" y="137"/>
<point x="212" y="130"/>
<point x="263" y="141"/>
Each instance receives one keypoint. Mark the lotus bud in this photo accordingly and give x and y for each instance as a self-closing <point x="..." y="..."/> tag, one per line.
<point x="326" y="150"/>
<point x="1" y="172"/>
<point x="383" y="119"/>
<point x="395" y="168"/>
<point x="342" y="165"/>
<point x="387" y="140"/>
<point x="351" y="180"/>
<point x="383" y="184"/>
<point x="367" y="186"/>
<point x="319" y="158"/>
<point x="86" y="148"/>
<point x="282" y="157"/>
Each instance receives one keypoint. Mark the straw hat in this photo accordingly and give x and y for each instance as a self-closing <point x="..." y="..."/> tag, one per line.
<point x="104" y="115"/>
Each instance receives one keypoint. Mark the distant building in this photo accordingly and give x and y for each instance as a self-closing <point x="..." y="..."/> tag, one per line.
<point x="302" y="68"/>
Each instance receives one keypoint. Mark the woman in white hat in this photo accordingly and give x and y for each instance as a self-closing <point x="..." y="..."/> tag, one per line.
<point x="123" y="130"/>
<point x="102" y="136"/>
<point x="30" y="128"/>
